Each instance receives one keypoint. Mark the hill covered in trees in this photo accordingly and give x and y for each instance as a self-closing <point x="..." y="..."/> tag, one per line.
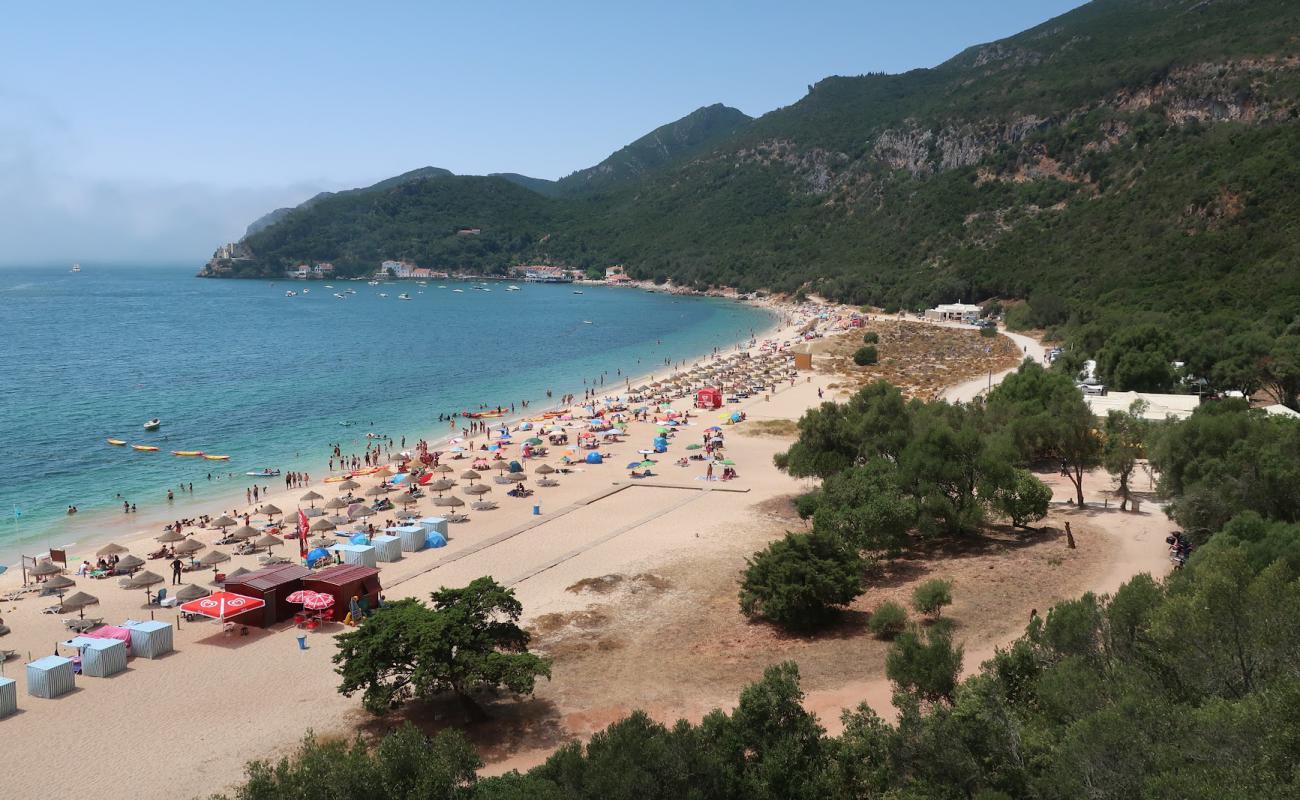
<point x="1127" y="163"/>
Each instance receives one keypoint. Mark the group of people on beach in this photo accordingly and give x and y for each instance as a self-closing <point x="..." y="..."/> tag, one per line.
<point x="294" y="480"/>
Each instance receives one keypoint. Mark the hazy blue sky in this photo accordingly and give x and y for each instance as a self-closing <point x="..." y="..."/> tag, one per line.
<point x="156" y="130"/>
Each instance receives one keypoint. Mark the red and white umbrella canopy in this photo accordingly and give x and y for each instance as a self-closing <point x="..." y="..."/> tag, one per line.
<point x="299" y="596"/>
<point x="222" y="604"/>
<point x="318" y="601"/>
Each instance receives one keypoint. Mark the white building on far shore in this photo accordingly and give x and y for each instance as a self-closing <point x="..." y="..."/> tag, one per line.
<point x="954" y="312"/>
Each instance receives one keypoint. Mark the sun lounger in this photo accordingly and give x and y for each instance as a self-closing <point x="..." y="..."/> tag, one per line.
<point x="5" y="655"/>
<point x="458" y="518"/>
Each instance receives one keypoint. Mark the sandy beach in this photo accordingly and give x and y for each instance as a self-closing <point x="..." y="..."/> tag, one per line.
<point x="218" y="701"/>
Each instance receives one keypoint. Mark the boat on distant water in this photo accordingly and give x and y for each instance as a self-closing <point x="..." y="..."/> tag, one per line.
<point x="459" y="291"/>
<point x="512" y="288"/>
<point x="373" y="283"/>
<point x="144" y="448"/>
<point x="116" y="442"/>
<point x="577" y="291"/>
<point x="350" y="291"/>
<point x="216" y="458"/>
<point x="340" y="296"/>
<point x="329" y="286"/>
<point x="383" y="294"/>
<point x="291" y="293"/>
<point x="153" y="424"/>
<point x="187" y="453"/>
<point x="403" y="296"/>
<point x="263" y="473"/>
<point x="75" y="268"/>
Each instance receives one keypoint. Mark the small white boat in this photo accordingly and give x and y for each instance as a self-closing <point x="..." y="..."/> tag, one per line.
<point x="329" y="286"/>
<point x="305" y="291"/>
<point x="442" y="287"/>
<point x="75" y="268"/>
<point x="383" y="294"/>
<point x="153" y="424"/>
<point x="403" y="296"/>
<point x="512" y="288"/>
<point x="577" y="291"/>
<point x="459" y="291"/>
<point x="587" y="322"/>
<point x="373" y="283"/>
<point x="341" y="296"/>
<point x="291" y="293"/>
<point x="350" y="291"/>
<point x="422" y="283"/>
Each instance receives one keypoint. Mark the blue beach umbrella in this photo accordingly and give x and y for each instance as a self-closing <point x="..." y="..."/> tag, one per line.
<point x="359" y="538"/>
<point x="316" y="555"/>
<point x="434" y="539"/>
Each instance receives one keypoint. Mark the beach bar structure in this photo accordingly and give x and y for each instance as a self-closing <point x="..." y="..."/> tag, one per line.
<point x="8" y="696"/>
<point x="708" y="397"/>
<point x="49" y="677"/>
<point x="272" y="585"/>
<point x="345" y="582"/>
<point x="387" y="548"/>
<point x="431" y="524"/>
<point x="357" y="554"/>
<point x="100" y="658"/>
<point x="412" y="537"/>
<point x="150" y="639"/>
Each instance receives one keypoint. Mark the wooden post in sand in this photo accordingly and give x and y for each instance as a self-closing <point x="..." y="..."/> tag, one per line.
<point x="1069" y="536"/>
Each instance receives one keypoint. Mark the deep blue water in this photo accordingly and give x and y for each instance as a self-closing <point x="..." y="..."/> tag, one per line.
<point x="237" y="368"/>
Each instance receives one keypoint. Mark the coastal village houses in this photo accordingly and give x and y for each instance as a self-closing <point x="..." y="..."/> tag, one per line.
<point x="615" y="275"/>
<point x="304" y="272"/>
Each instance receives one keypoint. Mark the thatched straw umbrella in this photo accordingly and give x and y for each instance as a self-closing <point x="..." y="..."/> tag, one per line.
<point x="245" y="532"/>
<point x="443" y="469"/>
<point x="213" y="558"/>
<point x="451" y="501"/>
<point x="270" y="510"/>
<point x="361" y="512"/>
<point x="130" y="562"/>
<point x="322" y="525"/>
<point x="441" y="485"/>
<point x="189" y="546"/>
<point x="405" y="499"/>
<point x="223" y="522"/>
<point x="44" y="568"/>
<point x="544" y="469"/>
<point x="348" y="485"/>
<point x="470" y="475"/>
<point x="478" y="489"/>
<point x="172" y="536"/>
<point x="268" y="541"/>
<point x="192" y="591"/>
<point x="110" y="549"/>
<point x="375" y="491"/>
<point x="311" y="497"/>
<point x="78" y="602"/>
<point x="335" y="503"/>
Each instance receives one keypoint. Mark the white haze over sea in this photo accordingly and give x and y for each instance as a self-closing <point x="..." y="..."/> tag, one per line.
<point x="54" y="210"/>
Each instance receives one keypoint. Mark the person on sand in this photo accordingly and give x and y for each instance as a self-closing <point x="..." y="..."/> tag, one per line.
<point x="176" y="570"/>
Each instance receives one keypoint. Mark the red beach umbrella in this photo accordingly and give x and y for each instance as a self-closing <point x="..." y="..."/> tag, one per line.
<point x="219" y="605"/>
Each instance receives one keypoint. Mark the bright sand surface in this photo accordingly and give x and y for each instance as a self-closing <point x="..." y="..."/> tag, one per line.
<point x="185" y="725"/>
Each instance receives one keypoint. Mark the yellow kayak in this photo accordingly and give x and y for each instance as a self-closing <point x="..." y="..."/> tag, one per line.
<point x="144" y="448"/>
<point x="187" y="453"/>
<point x="116" y="442"/>
<point x="216" y="458"/>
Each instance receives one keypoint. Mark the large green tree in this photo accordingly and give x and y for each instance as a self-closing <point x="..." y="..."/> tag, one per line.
<point x="801" y="580"/>
<point x="468" y="641"/>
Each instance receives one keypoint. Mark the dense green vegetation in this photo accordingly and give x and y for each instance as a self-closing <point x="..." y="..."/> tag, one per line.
<point x="467" y="642"/>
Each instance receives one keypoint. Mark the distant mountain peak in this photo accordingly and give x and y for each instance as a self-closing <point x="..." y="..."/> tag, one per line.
<point x="692" y="135"/>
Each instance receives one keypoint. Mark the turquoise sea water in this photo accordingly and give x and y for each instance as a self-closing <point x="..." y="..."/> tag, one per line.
<point x="235" y="367"/>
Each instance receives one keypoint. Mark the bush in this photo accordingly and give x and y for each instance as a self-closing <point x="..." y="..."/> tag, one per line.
<point x="805" y="505"/>
<point x="1019" y="318"/>
<point x="925" y="665"/>
<point x="865" y="356"/>
<point x="798" y="581"/>
<point x="1026" y="501"/>
<point x="889" y="620"/>
<point x="870" y="337"/>
<point x="988" y="331"/>
<point x="931" y="596"/>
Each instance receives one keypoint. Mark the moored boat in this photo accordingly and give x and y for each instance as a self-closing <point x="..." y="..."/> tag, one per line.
<point x="187" y="453"/>
<point x="403" y="296"/>
<point x="116" y="442"/>
<point x="216" y="458"/>
<point x="263" y="473"/>
<point x="144" y="448"/>
<point x="153" y="424"/>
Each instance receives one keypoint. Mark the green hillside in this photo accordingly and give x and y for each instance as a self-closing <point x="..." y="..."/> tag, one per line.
<point x="1129" y="162"/>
